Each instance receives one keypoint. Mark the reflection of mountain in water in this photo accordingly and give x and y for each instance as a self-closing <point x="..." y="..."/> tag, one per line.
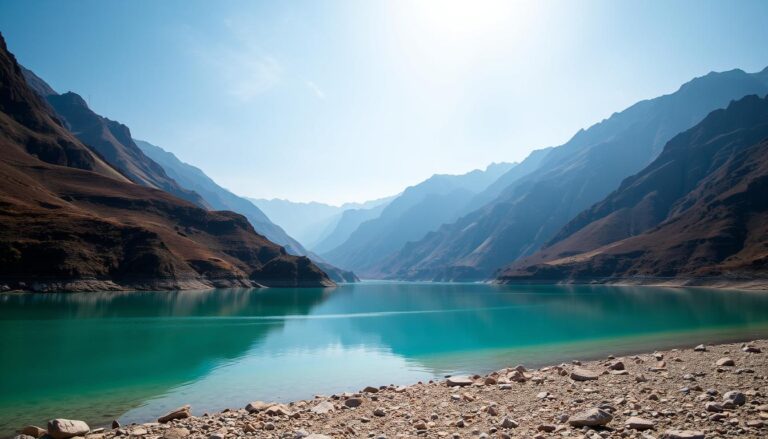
<point x="137" y="344"/>
<point x="460" y="318"/>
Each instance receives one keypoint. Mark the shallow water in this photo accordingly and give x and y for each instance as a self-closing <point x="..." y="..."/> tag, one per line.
<point x="133" y="356"/>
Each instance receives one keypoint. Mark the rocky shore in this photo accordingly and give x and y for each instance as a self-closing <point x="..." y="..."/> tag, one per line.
<point x="701" y="392"/>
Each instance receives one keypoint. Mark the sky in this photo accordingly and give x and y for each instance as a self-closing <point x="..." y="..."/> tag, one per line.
<point x="346" y="100"/>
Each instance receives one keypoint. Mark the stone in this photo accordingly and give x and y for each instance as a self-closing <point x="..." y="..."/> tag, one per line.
<point x="176" y="433"/>
<point x="278" y="410"/>
<point x="353" y="402"/>
<point x="67" y="428"/>
<point x="637" y="423"/>
<point x="317" y="436"/>
<point x="682" y="434"/>
<point x="616" y="365"/>
<point x="751" y="349"/>
<point x="323" y="408"/>
<point x="269" y="426"/>
<point x="493" y="411"/>
<point x="371" y="389"/>
<point x="179" y="413"/>
<point x="489" y="381"/>
<point x="139" y="431"/>
<point x="548" y="428"/>
<point x="580" y="374"/>
<point x="735" y="398"/>
<point x="590" y="418"/>
<point x="460" y="381"/>
<point x="542" y="395"/>
<point x="256" y="406"/>
<point x="725" y="361"/>
<point x="23" y="436"/>
<point x="379" y="412"/>
<point x="115" y="424"/>
<point x="713" y="407"/>
<point x="700" y="348"/>
<point x="34" y="431"/>
<point x="508" y="423"/>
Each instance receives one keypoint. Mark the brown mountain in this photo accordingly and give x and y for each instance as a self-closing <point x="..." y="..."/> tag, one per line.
<point x="698" y="214"/>
<point x="110" y="139"/>
<point x="68" y="220"/>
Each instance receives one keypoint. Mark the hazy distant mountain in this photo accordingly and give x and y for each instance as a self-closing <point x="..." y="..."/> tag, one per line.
<point x="697" y="214"/>
<point x="418" y="210"/>
<point x="309" y="222"/>
<point x="345" y="224"/>
<point x="70" y="221"/>
<point x="573" y="176"/>
<point x="111" y="140"/>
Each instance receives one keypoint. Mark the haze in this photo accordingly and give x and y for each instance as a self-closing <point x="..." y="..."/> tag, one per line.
<point x="349" y="101"/>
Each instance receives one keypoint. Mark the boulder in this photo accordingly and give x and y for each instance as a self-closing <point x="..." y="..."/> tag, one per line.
<point x="637" y="423"/>
<point x="580" y="374"/>
<point x="67" y="428"/>
<point x="278" y="410"/>
<point x="460" y="381"/>
<point x="700" y="348"/>
<point x="751" y="349"/>
<point x="371" y="389"/>
<point x="179" y="413"/>
<point x="590" y="418"/>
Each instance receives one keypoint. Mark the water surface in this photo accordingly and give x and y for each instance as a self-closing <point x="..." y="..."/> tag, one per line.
<point x="132" y="356"/>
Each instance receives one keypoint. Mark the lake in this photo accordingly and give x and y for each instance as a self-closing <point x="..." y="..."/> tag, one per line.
<point x="132" y="356"/>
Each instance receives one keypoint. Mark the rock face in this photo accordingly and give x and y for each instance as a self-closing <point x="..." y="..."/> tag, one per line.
<point x="695" y="214"/>
<point x="67" y="428"/>
<point x="590" y="418"/>
<point x="111" y="233"/>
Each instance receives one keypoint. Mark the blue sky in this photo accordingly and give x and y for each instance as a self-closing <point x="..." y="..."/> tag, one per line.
<point x="340" y="101"/>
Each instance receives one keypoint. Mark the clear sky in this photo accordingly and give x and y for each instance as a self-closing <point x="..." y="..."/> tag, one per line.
<point x="351" y="100"/>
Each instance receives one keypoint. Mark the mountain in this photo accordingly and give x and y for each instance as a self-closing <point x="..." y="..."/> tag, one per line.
<point x="111" y="140"/>
<point x="697" y="215"/>
<point x="69" y="220"/>
<point x="219" y="198"/>
<point x="345" y="224"/>
<point x="418" y="210"/>
<point x="309" y="222"/>
<point x="530" y="211"/>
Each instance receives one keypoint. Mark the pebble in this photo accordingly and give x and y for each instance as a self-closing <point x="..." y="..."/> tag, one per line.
<point x="508" y="423"/>
<point x="353" y="402"/>
<point x="725" y="361"/>
<point x="459" y="381"/>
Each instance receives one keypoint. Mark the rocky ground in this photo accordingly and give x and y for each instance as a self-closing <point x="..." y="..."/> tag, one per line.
<point x="706" y="391"/>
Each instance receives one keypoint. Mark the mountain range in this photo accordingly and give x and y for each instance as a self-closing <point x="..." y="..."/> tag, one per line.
<point x="418" y="210"/>
<point x="310" y="223"/>
<point x="698" y="214"/>
<point x="532" y="208"/>
<point x="72" y="220"/>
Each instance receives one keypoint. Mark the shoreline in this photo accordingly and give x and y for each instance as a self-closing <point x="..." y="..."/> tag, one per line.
<point x="681" y="389"/>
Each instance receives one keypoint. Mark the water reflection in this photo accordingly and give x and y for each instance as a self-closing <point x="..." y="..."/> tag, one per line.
<point x="137" y="354"/>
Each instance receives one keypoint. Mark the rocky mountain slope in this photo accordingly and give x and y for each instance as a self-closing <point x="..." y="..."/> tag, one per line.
<point x="69" y="220"/>
<point x="697" y="214"/>
<point x="572" y="177"/>
<point x="218" y="198"/>
<point x="110" y="139"/>
<point x="417" y="211"/>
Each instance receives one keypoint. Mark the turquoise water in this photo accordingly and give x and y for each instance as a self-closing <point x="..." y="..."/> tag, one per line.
<point x="132" y="356"/>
